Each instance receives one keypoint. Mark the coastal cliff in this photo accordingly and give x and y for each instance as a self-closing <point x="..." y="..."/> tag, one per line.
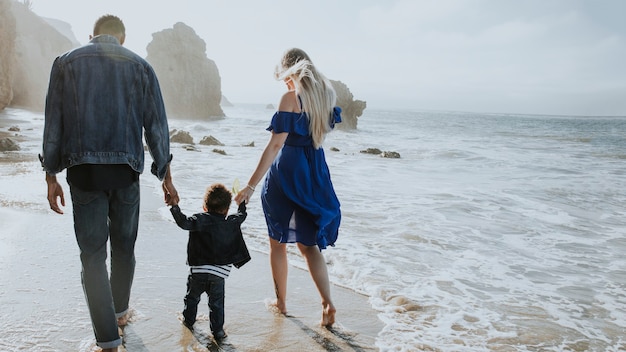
<point x="190" y="81"/>
<point x="7" y="54"/>
<point x="37" y="44"/>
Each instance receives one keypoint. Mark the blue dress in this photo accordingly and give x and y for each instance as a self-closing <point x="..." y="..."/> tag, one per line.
<point x="298" y="197"/>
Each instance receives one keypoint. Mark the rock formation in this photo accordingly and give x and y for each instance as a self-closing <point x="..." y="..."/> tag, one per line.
<point x="190" y="81"/>
<point x="351" y="109"/>
<point x="374" y="151"/>
<point x="210" y="140"/>
<point x="7" y="54"/>
<point x="385" y="154"/>
<point x="181" y="137"/>
<point x="225" y="102"/>
<point x="8" y="145"/>
<point x="37" y="44"/>
<point x="65" y="29"/>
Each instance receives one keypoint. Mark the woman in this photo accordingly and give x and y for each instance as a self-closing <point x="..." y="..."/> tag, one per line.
<point x="298" y="197"/>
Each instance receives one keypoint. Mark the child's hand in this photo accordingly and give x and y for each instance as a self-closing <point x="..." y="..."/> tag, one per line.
<point x="169" y="200"/>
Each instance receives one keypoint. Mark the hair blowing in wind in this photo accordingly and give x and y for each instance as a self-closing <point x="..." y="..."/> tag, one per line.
<point x="315" y="90"/>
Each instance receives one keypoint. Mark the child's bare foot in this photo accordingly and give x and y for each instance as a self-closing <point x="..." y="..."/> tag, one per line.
<point x="328" y="315"/>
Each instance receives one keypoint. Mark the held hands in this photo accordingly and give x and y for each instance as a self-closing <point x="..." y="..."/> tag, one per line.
<point x="244" y="195"/>
<point x="170" y="195"/>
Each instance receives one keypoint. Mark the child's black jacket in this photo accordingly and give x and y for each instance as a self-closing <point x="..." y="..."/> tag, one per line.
<point x="214" y="239"/>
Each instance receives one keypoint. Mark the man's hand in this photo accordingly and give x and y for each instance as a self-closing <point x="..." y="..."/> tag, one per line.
<point x="55" y="191"/>
<point x="170" y="194"/>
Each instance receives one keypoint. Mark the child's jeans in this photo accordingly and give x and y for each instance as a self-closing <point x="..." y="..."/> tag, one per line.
<point x="214" y="288"/>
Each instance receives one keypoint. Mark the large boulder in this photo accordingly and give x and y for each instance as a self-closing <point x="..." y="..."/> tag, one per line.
<point x="37" y="44"/>
<point x="190" y="81"/>
<point x="8" y="145"/>
<point x="7" y="52"/>
<point x="351" y="109"/>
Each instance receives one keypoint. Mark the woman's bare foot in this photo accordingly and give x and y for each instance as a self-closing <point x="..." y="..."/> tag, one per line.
<point x="279" y="306"/>
<point x="328" y="315"/>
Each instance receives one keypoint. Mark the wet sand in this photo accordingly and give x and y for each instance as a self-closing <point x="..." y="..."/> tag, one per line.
<point x="251" y="323"/>
<point x="44" y="307"/>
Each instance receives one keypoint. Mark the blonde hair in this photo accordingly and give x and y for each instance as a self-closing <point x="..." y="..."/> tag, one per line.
<point x="315" y="90"/>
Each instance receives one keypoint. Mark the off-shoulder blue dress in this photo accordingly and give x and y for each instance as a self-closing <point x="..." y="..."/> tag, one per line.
<point x="298" y="197"/>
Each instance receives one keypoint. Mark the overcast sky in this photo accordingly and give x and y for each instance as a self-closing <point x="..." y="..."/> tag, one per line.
<point x="562" y="57"/>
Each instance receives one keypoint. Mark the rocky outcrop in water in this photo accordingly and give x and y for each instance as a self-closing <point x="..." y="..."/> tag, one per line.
<point x="210" y="140"/>
<point x="351" y="109"/>
<point x="384" y="154"/>
<point x="181" y="137"/>
<point x="190" y="81"/>
<point x="8" y="145"/>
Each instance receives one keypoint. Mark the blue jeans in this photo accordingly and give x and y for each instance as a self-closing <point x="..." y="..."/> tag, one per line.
<point x="214" y="288"/>
<point x="98" y="217"/>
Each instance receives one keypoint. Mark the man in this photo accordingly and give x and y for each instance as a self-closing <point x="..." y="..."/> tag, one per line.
<point x="101" y="98"/>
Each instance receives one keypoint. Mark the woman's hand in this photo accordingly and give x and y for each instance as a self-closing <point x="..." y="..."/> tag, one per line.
<point x="244" y="195"/>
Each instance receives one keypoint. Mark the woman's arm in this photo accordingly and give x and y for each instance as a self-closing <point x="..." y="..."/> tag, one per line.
<point x="267" y="158"/>
<point x="289" y="103"/>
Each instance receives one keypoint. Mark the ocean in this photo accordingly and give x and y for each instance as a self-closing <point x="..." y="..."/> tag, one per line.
<point x="491" y="232"/>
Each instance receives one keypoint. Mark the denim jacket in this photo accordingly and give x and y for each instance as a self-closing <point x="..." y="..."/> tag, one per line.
<point x="101" y="98"/>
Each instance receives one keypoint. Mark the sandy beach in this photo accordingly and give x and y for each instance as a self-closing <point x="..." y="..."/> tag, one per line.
<point x="44" y="308"/>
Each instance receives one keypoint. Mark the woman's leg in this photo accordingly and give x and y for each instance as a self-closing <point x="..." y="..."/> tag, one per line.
<point x="317" y="267"/>
<point x="279" y="265"/>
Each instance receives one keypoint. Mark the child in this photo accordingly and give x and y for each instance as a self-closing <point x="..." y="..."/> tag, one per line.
<point x="215" y="245"/>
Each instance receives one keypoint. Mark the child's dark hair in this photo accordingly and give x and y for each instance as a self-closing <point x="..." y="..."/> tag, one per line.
<point x="217" y="199"/>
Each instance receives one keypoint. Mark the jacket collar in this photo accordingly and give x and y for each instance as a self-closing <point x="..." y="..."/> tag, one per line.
<point x="105" y="38"/>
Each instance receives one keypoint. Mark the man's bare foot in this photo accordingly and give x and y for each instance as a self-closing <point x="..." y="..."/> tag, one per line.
<point x="114" y="349"/>
<point x="123" y="320"/>
<point x="328" y="315"/>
